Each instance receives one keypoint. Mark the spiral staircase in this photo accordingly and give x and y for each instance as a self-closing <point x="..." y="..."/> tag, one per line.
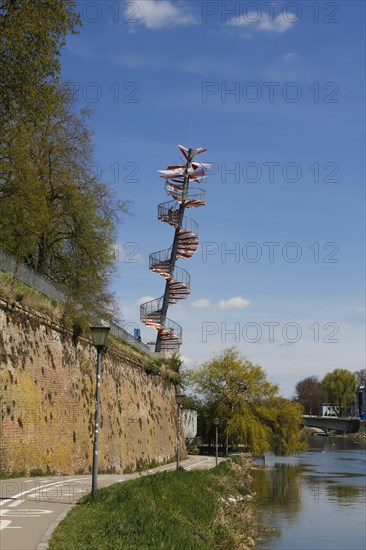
<point x="185" y="243"/>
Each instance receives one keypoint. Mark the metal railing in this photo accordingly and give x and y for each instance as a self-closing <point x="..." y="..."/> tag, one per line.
<point x="153" y="307"/>
<point x="121" y="333"/>
<point x="46" y="286"/>
<point x="30" y="277"/>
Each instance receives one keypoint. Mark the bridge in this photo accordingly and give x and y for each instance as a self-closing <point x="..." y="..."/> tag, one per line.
<point x="339" y="424"/>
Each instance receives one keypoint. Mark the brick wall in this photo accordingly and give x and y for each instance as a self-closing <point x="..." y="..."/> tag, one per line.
<point x="47" y="402"/>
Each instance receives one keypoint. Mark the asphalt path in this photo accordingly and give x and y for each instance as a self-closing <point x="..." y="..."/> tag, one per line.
<point x="31" y="508"/>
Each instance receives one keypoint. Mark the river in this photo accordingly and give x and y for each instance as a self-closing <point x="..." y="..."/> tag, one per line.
<point x="316" y="500"/>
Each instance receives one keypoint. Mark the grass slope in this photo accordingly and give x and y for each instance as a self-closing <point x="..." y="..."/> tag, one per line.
<point x="188" y="510"/>
<point x="70" y="317"/>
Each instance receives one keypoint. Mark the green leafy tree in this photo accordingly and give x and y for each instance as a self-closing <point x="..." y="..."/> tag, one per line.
<point x="341" y="387"/>
<point x="248" y="404"/>
<point x="55" y="213"/>
<point x="361" y="377"/>
<point x="310" y="393"/>
<point x="32" y="36"/>
<point x="23" y="208"/>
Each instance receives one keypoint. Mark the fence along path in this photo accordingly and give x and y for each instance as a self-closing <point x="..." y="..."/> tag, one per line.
<point x="46" y="286"/>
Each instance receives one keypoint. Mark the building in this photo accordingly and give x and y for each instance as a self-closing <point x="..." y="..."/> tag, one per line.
<point x="361" y="402"/>
<point x="189" y="424"/>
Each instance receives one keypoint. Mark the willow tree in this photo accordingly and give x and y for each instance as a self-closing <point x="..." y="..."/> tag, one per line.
<point x="250" y="410"/>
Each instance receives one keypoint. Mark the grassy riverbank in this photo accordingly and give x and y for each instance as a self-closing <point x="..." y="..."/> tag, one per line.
<point x="190" y="510"/>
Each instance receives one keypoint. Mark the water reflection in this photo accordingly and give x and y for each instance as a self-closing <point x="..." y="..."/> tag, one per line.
<point x="280" y="488"/>
<point x="344" y="494"/>
<point x="328" y="444"/>
<point x="317" y="499"/>
<point x="326" y="489"/>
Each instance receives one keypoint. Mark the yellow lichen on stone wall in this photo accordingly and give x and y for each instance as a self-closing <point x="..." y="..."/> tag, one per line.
<point x="47" y="402"/>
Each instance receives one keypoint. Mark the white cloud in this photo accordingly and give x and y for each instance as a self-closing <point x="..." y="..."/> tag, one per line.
<point x="277" y="24"/>
<point x="201" y="303"/>
<point x="234" y="303"/>
<point x="156" y="14"/>
<point x="144" y="299"/>
<point x="290" y="56"/>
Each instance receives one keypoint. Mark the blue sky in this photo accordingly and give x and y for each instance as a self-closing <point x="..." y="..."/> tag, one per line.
<point x="275" y="91"/>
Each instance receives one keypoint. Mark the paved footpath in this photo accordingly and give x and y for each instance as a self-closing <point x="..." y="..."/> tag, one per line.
<point x="31" y="508"/>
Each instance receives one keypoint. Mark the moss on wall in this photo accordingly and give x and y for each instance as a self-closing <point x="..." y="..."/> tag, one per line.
<point x="47" y="401"/>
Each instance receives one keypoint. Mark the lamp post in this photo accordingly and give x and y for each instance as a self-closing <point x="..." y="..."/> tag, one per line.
<point x="179" y="398"/>
<point x="99" y="336"/>
<point x="216" y="422"/>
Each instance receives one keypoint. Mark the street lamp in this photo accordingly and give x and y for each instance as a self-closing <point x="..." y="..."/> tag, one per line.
<point x="179" y="398"/>
<point x="216" y="422"/>
<point x="99" y="336"/>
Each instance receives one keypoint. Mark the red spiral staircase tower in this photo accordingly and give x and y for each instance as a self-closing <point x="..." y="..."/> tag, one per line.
<point x="185" y="242"/>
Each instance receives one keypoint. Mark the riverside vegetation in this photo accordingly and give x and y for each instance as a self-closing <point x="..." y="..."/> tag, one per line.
<point x="190" y="510"/>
